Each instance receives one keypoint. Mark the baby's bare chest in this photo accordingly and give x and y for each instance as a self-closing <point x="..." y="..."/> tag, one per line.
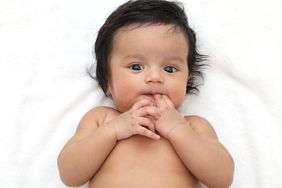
<point x="143" y="162"/>
<point x="140" y="151"/>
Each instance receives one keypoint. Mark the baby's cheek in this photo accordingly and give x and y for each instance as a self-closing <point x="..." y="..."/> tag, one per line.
<point x="177" y="101"/>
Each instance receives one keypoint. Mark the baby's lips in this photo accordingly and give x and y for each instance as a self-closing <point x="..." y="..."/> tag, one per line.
<point x="149" y="97"/>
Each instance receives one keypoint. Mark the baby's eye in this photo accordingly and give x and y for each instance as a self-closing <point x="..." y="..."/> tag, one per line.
<point x="136" y="67"/>
<point x="170" y="69"/>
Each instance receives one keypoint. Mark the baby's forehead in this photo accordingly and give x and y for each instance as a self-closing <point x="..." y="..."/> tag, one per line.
<point x="169" y="28"/>
<point x="128" y="27"/>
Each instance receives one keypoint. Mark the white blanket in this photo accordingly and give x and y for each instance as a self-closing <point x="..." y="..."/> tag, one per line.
<point x="45" y="50"/>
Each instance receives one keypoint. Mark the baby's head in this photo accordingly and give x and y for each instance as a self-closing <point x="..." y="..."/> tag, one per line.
<point x="143" y="13"/>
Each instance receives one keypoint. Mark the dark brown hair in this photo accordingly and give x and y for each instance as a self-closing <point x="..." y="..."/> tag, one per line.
<point x="146" y="12"/>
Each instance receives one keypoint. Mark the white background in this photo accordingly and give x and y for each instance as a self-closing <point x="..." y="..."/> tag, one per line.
<point x="46" y="47"/>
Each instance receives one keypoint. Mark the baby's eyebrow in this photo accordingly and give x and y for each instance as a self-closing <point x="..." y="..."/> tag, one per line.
<point x="167" y="59"/>
<point x="134" y="56"/>
<point x="176" y="59"/>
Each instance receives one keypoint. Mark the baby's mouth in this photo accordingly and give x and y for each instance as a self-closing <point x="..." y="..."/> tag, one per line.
<point x="151" y="97"/>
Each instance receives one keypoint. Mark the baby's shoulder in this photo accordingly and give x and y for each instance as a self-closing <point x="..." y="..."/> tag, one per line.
<point x="99" y="114"/>
<point x="91" y="121"/>
<point x="195" y="120"/>
<point x="99" y="110"/>
<point x="201" y="126"/>
<point x="96" y="117"/>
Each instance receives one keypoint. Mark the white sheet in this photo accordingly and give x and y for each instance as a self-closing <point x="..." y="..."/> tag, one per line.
<point x="45" y="49"/>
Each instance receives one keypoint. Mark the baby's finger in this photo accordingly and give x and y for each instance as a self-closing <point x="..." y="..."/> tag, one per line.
<point x="161" y="102"/>
<point x="148" y="111"/>
<point x="140" y="104"/>
<point x="146" y="132"/>
<point x="146" y="122"/>
<point x="168" y="101"/>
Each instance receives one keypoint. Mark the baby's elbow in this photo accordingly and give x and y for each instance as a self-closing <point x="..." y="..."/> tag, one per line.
<point x="227" y="177"/>
<point x="230" y="172"/>
<point x="226" y="182"/>
<point x="70" y="183"/>
<point x="67" y="175"/>
<point x="222" y="183"/>
<point x="223" y="178"/>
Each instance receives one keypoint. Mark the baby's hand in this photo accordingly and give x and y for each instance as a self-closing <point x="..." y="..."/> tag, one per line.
<point x="139" y="120"/>
<point x="170" y="117"/>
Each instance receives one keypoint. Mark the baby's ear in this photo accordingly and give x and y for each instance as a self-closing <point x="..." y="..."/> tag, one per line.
<point x="108" y="92"/>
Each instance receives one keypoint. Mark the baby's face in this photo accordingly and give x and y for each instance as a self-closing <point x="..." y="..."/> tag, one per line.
<point x="148" y="60"/>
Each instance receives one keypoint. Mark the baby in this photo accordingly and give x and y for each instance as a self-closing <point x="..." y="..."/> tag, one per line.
<point x="146" y="63"/>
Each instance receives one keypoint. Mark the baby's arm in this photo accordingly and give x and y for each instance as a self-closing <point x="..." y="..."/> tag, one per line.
<point x="196" y="143"/>
<point x="97" y="135"/>
<point x="83" y="154"/>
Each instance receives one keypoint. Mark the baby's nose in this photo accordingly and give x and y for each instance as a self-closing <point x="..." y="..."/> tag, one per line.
<point x="154" y="75"/>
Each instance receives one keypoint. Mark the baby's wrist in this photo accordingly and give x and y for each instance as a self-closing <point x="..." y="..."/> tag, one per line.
<point x="176" y="130"/>
<point x="110" y="128"/>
